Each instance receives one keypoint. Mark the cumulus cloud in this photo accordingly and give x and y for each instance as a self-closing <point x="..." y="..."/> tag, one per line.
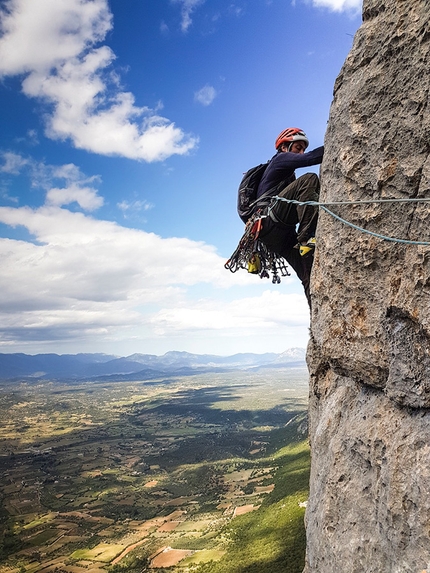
<point x="53" y="45"/>
<point x="205" y="95"/>
<point x="42" y="34"/>
<point x="79" y="279"/>
<point x="75" y="187"/>
<point x="81" y="275"/>
<point x="86" y="197"/>
<point x="339" y="5"/>
<point x="13" y="163"/>
<point x="187" y="8"/>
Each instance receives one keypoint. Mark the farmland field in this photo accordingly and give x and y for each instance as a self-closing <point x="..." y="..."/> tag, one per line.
<point x="203" y="474"/>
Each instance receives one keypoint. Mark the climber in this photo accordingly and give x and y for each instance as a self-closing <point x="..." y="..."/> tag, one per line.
<point x="279" y="228"/>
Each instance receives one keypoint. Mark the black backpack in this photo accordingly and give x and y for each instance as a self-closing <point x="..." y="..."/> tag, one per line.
<point x="247" y="192"/>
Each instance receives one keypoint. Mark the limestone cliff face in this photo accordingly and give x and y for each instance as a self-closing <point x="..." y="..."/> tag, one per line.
<point x="369" y="355"/>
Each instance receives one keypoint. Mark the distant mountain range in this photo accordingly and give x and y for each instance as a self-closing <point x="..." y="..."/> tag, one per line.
<point x="136" y="366"/>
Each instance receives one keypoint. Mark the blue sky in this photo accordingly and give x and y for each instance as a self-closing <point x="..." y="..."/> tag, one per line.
<point x="126" y="127"/>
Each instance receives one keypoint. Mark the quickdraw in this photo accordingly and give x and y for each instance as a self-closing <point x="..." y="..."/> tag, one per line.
<point x="254" y="256"/>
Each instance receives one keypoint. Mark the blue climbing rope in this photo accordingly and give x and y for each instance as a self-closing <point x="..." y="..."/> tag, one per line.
<point x="342" y="220"/>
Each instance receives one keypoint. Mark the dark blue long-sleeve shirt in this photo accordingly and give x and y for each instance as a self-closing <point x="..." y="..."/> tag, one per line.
<point x="282" y="167"/>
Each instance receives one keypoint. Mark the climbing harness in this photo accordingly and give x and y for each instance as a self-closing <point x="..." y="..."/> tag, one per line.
<point x="366" y="201"/>
<point x="254" y="256"/>
<point x="257" y="258"/>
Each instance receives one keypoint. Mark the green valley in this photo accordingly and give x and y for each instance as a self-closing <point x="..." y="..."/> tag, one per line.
<point x="205" y="474"/>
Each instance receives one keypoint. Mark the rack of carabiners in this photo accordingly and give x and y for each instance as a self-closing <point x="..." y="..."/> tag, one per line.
<point x="253" y="255"/>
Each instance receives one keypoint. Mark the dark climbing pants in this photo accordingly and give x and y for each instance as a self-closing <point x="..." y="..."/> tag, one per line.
<point x="279" y="231"/>
<point x="305" y="188"/>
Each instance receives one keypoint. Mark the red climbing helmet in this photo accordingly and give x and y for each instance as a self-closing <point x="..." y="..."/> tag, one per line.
<point x="291" y="134"/>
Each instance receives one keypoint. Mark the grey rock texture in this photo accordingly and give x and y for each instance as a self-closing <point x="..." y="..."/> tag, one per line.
<point x="369" y="354"/>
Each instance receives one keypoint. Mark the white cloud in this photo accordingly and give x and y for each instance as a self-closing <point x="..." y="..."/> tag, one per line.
<point x="271" y="310"/>
<point x="131" y="208"/>
<point x="86" y="197"/>
<point x="187" y="8"/>
<point x="76" y="186"/>
<point x="85" y="281"/>
<point x="164" y="28"/>
<point x="53" y="44"/>
<point x="41" y="34"/>
<point x="205" y="95"/>
<point x="31" y="138"/>
<point x="81" y="283"/>
<point x="82" y="275"/>
<point x="237" y="11"/>
<point x="339" y="5"/>
<point x="13" y="163"/>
